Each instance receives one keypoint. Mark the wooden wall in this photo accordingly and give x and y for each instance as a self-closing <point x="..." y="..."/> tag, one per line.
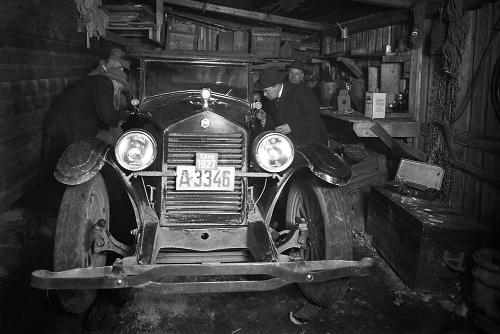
<point x="476" y="183"/>
<point x="479" y="143"/>
<point x="40" y="53"/>
<point x="370" y="41"/>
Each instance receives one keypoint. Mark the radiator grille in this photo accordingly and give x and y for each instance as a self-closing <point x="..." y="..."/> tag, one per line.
<point x="181" y="150"/>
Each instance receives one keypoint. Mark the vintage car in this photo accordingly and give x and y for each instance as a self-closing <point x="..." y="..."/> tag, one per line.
<point x="195" y="198"/>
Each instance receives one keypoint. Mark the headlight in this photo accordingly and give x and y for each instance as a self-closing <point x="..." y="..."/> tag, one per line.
<point x="135" y="150"/>
<point x="273" y="151"/>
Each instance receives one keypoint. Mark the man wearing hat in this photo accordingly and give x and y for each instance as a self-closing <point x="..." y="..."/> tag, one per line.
<point x="84" y="109"/>
<point x="293" y="109"/>
<point x="296" y="72"/>
<point x="117" y="59"/>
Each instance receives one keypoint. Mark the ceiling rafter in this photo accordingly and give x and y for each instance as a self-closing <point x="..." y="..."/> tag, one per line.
<point x="252" y="15"/>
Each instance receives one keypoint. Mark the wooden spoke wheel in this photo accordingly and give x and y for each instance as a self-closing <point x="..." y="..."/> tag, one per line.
<point x="323" y="208"/>
<point x="81" y="207"/>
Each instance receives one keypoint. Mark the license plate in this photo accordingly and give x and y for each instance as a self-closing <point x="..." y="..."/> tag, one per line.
<point x="191" y="178"/>
<point x="206" y="160"/>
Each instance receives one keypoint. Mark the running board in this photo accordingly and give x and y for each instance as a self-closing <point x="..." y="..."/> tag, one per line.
<point x="169" y="276"/>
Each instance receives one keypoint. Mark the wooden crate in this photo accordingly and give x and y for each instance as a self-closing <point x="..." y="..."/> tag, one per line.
<point x="372" y="171"/>
<point x="415" y="236"/>
<point x="181" y="35"/>
<point x="225" y="41"/>
<point x="241" y="41"/>
<point x="265" y="42"/>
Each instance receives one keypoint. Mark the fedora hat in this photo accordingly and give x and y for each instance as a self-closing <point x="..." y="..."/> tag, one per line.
<point x="120" y="56"/>
<point x="300" y="65"/>
<point x="117" y="75"/>
<point x="270" y="77"/>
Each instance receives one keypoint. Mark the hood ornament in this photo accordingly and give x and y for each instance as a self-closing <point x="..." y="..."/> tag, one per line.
<point x="205" y="123"/>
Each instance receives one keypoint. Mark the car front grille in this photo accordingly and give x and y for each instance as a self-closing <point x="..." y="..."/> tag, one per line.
<point x="181" y="149"/>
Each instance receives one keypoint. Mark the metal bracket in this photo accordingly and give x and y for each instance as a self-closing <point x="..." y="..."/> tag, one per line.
<point x="104" y="241"/>
<point x="297" y="238"/>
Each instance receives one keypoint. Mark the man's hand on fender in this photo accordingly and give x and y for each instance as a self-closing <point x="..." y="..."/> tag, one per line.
<point x="283" y="129"/>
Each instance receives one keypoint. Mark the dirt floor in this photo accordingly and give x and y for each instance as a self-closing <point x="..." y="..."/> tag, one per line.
<point x="379" y="303"/>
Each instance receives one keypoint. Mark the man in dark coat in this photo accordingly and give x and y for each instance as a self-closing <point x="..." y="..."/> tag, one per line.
<point x="293" y="109"/>
<point x="85" y="108"/>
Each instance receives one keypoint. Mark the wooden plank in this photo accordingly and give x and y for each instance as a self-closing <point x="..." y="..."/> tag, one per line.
<point x="23" y="56"/>
<point x="16" y="89"/>
<point x="390" y="3"/>
<point x="115" y="38"/>
<point x="420" y="73"/>
<point x="399" y="127"/>
<point x="473" y="186"/>
<point x="372" y="40"/>
<point x="486" y="176"/>
<point x="28" y="72"/>
<point x="477" y="141"/>
<point x="456" y="198"/>
<point x="12" y="189"/>
<point x="490" y="196"/>
<point x="45" y="31"/>
<point x="372" y="21"/>
<point x="160" y="21"/>
<point x="21" y="40"/>
<point x="257" y="16"/>
<point x="390" y="74"/>
<point x="402" y="151"/>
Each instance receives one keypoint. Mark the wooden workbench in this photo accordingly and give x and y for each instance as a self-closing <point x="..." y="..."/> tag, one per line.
<point x="397" y="125"/>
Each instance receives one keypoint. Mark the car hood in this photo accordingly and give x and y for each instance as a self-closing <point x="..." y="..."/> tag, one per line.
<point x="170" y="108"/>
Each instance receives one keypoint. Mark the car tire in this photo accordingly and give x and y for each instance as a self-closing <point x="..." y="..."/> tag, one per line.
<point x="330" y="236"/>
<point x="81" y="207"/>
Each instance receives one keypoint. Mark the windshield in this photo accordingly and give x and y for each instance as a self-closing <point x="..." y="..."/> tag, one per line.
<point x="165" y="77"/>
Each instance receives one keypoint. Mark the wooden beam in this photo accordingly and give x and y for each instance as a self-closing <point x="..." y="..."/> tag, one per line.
<point x="159" y="18"/>
<point x="477" y="141"/>
<point x="389" y="3"/>
<point x="115" y="38"/>
<point x="251" y="15"/>
<point x="372" y="21"/>
<point x="478" y="172"/>
<point x="402" y="150"/>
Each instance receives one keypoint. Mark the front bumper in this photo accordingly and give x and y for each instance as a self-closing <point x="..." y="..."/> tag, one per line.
<point x="178" y="278"/>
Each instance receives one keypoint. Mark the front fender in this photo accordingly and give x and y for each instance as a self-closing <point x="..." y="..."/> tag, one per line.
<point x="322" y="163"/>
<point x="81" y="161"/>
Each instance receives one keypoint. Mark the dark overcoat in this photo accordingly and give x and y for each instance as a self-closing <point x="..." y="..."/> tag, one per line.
<point x="84" y="108"/>
<point x="299" y="108"/>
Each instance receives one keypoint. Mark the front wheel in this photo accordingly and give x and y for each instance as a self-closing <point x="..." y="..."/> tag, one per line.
<point x="81" y="207"/>
<point x="329" y="237"/>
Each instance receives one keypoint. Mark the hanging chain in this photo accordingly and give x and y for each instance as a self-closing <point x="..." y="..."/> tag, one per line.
<point x="443" y="115"/>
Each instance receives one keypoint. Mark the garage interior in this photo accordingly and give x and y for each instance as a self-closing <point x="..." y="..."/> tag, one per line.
<point x="423" y="200"/>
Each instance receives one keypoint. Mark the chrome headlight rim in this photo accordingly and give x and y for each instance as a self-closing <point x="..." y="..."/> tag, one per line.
<point x="267" y="136"/>
<point x="121" y="141"/>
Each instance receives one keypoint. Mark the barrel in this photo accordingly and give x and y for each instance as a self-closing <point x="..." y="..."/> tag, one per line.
<point x="485" y="297"/>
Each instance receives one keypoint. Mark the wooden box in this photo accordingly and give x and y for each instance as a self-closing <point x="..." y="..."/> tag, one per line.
<point x="225" y="41"/>
<point x="416" y="237"/>
<point x="181" y="35"/>
<point x="241" y="41"/>
<point x="371" y="171"/>
<point x="265" y="42"/>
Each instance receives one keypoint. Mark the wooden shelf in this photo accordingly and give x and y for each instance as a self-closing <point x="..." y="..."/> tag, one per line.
<point x="397" y="125"/>
<point x="378" y="57"/>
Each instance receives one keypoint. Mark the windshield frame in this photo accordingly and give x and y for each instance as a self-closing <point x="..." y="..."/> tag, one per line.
<point x="144" y="64"/>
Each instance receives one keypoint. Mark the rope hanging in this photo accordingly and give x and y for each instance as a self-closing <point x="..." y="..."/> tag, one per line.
<point x="453" y="13"/>
<point x="458" y="27"/>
